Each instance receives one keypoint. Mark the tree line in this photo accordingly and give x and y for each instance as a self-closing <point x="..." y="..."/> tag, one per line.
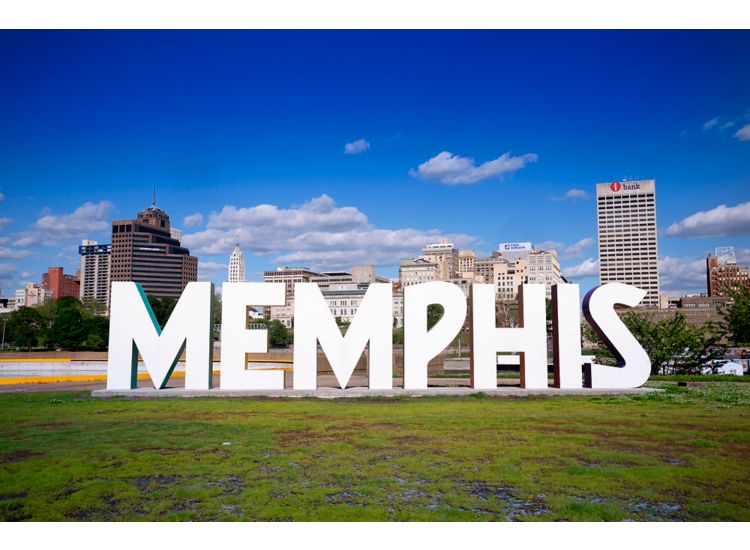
<point x="64" y="323"/>
<point x="677" y="347"/>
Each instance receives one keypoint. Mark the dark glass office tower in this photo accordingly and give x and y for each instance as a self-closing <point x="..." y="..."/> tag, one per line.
<point x="147" y="251"/>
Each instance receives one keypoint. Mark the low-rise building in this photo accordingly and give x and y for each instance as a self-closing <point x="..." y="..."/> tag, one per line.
<point x="509" y="277"/>
<point x="60" y="284"/>
<point x="723" y="274"/>
<point x="32" y="295"/>
<point x="445" y="257"/>
<point x="466" y="259"/>
<point x="697" y="309"/>
<point x="544" y="269"/>
<point x="289" y="276"/>
<point x="360" y="274"/>
<point x="284" y="314"/>
<point x="7" y="304"/>
<point x="344" y="301"/>
<point x="464" y="283"/>
<point x="398" y="309"/>
<point x="417" y="271"/>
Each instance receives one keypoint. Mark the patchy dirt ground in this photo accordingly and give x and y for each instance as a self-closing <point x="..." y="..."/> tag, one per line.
<point x="675" y="456"/>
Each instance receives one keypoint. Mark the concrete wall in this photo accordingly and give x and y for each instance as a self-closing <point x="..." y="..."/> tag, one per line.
<point x="435" y="366"/>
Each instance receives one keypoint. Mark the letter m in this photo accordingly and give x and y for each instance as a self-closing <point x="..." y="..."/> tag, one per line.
<point x="314" y="323"/>
<point x="133" y="329"/>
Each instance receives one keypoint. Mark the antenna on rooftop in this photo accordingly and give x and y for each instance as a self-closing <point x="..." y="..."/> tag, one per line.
<point x="153" y="199"/>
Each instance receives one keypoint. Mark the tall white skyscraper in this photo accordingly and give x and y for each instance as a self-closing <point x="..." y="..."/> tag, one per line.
<point x="626" y="224"/>
<point x="237" y="265"/>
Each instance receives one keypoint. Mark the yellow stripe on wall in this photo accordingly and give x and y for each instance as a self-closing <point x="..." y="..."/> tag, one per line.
<point x="34" y="360"/>
<point x="93" y="377"/>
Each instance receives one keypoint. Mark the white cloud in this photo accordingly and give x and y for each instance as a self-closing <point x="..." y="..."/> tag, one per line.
<point x="7" y="272"/>
<point x="711" y="123"/>
<point x="9" y="253"/>
<point x="743" y="256"/>
<point x="356" y="147"/>
<point x="682" y="275"/>
<point x="84" y="221"/>
<point x="567" y="251"/>
<point x="206" y="270"/>
<point x="5" y="221"/>
<point x="727" y="124"/>
<point x="318" y="234"/>
<point x="676" y="275"/>
<point x="576" y="194"/>
<point x="743" y="134"/>
<point x="193" y="220"/>
<point x="383" y="247"/>
<point x="549" y="245"/>
<point x="452" y="169"/>
<point x="587" y="268"/>
<point x="722" y="221"/>
<point x="2" y="197"/>
<point x="572" y="195"/>
<point x="575" y="250"/>
<point x="317" y="213"/>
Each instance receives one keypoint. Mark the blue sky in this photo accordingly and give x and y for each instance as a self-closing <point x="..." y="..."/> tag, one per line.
<point x="477" y="135"/>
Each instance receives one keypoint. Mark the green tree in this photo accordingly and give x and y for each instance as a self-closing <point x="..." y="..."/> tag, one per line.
<point x="96" y="330"/>
<point x="673" y="344"/>
<point x="67" y="330"/>
<point x="92" y="306"/>
<point x="737" y="316"/>
<point x="216" y="310"/>
<point x="216" y="306"/>
<point x="434" y="314"/>
<point x="25" y="327"/>
<point x="278" y="335"/>
<point x="162" y="308"/>
<point x="398" y="335"/>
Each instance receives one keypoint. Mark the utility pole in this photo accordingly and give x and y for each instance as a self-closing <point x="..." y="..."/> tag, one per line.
<point x="5" y="322"/>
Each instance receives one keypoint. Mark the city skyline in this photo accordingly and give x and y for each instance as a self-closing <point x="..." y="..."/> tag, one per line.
<point x="361" y="150"/>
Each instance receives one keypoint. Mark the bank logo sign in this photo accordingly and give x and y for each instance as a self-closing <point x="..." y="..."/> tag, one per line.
<point x="134" y="330"/>
<point x="507" y="247"/>
<point x="616" y="186"/>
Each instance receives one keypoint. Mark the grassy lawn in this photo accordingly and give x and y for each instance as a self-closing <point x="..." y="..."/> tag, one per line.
<point x="681" y="455"/>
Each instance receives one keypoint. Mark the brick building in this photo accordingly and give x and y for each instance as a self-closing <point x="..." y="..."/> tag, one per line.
<point x="724" y="274"/>
<point x="60" y="284"/>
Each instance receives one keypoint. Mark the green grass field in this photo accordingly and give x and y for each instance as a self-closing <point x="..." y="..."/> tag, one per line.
<point x="680" y="455"/>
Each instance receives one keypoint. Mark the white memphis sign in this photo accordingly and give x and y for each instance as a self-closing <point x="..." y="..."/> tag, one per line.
<point x="133" y="329"/>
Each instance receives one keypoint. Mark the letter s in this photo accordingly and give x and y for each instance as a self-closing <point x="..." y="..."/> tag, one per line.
<point x="633" y="364"/>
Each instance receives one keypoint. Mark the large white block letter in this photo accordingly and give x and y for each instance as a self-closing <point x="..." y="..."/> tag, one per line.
<point x="530" y="340"/>
<point x="237" y="341"/>
<point x="566" y="336"/>
<point x="633" y="365"/>
<point x="421" y="345"/>
<point x="133" y="328"/>
<point x="314" y="323"/>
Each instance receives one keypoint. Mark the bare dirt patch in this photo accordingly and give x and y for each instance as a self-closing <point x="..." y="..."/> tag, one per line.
<point x="18" y="456"/>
